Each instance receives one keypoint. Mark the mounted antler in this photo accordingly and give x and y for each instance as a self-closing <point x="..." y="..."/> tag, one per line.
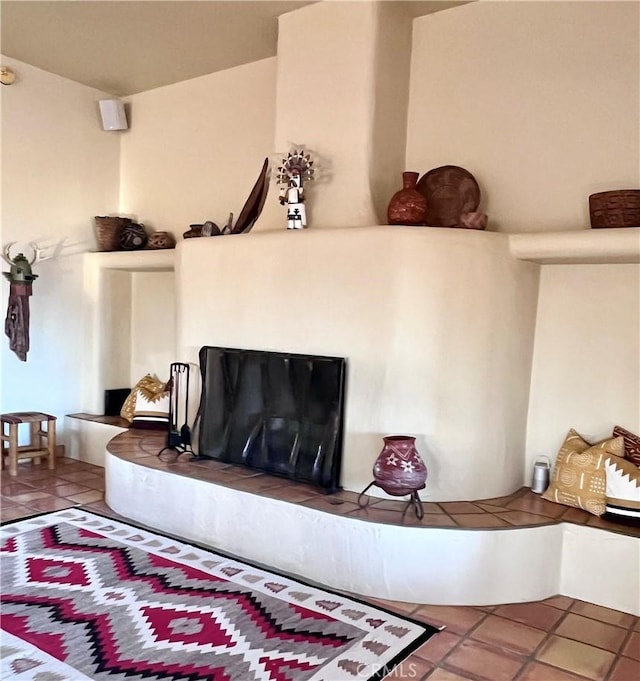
<point x="5" y="252"/>
<point x="38" y="252"/>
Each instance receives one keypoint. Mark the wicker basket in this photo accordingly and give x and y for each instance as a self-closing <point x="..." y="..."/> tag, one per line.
<point x="615" y="209"/>
<point x="108" y="232"/>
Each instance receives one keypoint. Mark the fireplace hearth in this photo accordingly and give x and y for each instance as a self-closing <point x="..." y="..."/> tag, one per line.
<point x="276" y="412"/>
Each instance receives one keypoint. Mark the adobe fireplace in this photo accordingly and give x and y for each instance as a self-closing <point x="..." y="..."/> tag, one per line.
<point x="277" y="412"/>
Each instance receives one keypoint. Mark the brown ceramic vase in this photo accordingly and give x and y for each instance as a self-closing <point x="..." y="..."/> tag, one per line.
<point x="407" y="206"/>
<point x="399" y="470"/>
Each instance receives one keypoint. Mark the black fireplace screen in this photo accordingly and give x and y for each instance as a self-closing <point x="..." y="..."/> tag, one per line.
<point x="277" y="412"/>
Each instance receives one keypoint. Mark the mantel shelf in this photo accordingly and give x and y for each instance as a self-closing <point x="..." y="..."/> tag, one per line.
<point x="135" y="261"/>
<point x="587" y="246"/>
<point x="581" y="246"/>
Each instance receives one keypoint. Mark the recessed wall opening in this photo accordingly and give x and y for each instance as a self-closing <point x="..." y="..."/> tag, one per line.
<point x="134" y="299"/>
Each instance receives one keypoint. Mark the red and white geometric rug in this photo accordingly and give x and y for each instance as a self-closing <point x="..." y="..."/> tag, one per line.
<point x="87" y="597"/>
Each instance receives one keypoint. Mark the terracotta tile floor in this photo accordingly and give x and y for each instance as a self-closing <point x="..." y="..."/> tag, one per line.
<point x="560" y="639"/>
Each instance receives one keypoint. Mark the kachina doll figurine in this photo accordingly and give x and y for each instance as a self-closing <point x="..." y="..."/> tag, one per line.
<point x="295" y="169"/>
<point x="293" y="197"/>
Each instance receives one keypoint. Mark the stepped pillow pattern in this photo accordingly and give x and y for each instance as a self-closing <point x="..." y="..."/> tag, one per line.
<point x="623" y="489"/>
<point x="151" y="412"/>
<point x="631" y="444"/>
<point x="579" y="478"/>
<point x="149" y="386"/>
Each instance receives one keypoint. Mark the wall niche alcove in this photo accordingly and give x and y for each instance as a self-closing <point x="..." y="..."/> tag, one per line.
<point x="130" y="299"/>
<point x="130" y="330"/>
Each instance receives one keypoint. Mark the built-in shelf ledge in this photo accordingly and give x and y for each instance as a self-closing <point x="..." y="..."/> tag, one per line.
<point x="117" y="421"/>
<point x="588" y="246"/>
<point x="135" y="261"/>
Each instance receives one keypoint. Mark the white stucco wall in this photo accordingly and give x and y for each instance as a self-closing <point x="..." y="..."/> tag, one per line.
<point x="325" y="101"/>
<point x="121" y="315"/>
<point x="586" y="364"/>
<point x="436" y="325"/>
<point x="136" y="322"/>
<point x="153" y="322"/>
<point x="343" y="94"/>
<point x="115" y="337"/>
<point x="539" y="100"/>
<point x="448" y="566"/>
<point x="59" y="169"/>
<point x="195" y="149"/>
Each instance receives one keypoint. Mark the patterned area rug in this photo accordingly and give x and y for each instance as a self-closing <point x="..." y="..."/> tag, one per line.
<point x="87" y="597"/>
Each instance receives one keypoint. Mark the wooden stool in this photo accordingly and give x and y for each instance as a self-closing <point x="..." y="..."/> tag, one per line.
<point x="36" y="447"/>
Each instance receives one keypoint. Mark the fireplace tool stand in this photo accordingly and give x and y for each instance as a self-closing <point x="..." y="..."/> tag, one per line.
<point x="414" y="501"/>
<point x="179" y="436"/>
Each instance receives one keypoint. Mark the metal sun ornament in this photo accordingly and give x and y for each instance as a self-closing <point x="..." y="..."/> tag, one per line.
<point x="294" y="171"/>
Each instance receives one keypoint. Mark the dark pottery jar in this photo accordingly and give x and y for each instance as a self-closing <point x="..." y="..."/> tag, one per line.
<point x="193" y="231"/>
<point x="407" y="206"/>
<point x="133" y="237"/>
<point x="399" y="470"/>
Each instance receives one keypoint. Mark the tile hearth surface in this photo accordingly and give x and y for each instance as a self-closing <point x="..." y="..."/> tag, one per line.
<point x="523" y="508"/>
<point x="559" y="639"/>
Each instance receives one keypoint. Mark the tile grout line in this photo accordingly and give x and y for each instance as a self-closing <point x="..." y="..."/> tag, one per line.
<point x="465" y="638"/>
<point x="549" y="633"/>
<point x="619" y="654"/>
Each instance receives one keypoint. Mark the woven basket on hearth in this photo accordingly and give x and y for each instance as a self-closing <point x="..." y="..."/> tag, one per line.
<point x="108" y="231"/>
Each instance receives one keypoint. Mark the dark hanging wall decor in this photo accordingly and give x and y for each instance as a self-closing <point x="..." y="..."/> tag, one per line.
<point x="281" y="413"/>
<point x="21" y="277"/>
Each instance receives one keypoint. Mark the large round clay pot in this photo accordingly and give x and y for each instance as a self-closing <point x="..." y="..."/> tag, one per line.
<point x="407" y="206"/>
<point x="399" y="470"/>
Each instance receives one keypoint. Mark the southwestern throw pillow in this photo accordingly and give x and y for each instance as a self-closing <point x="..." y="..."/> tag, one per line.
<point x="149" y="386"/>
<point x="623" y="490"/>
<point x="631" y="444"/>
<point x="578" y="478"/>
<point x="152" y="412"/>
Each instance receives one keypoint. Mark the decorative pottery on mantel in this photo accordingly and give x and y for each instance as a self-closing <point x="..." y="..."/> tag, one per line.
<point x="133" y="237"/>
<point x="407" y="206"/>
<point x="453" y="197"/>
<point x="161" y="240"/>
<point x="620" y="208"/>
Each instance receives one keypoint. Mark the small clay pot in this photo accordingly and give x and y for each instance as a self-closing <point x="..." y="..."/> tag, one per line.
<point x="407" y="206"/>
<point x="159" y="240"/>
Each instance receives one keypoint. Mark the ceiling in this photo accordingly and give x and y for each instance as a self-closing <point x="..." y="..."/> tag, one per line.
<point x="123" y="47"/>
<point x="128" y="46"/>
